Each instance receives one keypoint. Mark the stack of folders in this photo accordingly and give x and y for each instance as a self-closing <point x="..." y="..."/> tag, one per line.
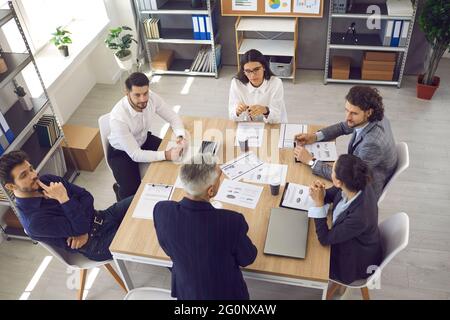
<point x="394" y="33"/>
<point x="152" y="27"/>
<point x="151" y="4"/>
<point x="6" y="134"/>
<point x="56" y="165"/>
<point x="47" y="130"/>
<point x="204" y="61"/>
<point x="201" y="27"/>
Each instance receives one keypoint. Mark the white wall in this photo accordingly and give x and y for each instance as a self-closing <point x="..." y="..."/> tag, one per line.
<point x="99" y="67"/>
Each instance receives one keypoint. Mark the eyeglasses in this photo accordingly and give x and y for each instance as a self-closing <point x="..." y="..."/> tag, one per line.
<point x="254" y="71"/>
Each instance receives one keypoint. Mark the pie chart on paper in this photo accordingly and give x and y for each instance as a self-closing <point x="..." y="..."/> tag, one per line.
<point x="274" y="4"/>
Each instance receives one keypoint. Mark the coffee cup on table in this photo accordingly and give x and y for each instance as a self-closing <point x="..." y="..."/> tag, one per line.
<point x="275" y="185"/>
<point x="243" y="143"/>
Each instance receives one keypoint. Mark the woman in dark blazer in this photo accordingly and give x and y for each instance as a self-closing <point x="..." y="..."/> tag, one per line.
<point x="354" y="237"/>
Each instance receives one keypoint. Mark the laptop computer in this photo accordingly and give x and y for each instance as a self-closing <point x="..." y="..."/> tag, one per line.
<point x="287" y="233"/>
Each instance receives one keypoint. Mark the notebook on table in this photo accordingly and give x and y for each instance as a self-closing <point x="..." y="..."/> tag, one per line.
<point x="287" y="234"/>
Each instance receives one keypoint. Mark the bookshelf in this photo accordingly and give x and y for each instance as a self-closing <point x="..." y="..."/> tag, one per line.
<point x="22" y="124"/>
<point x="269" y="45"/>
<point x="368" y="40"/>
<point x="179" y="36"/>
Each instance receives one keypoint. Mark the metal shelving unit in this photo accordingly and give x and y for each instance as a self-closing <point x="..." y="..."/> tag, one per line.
<point x="179" y="36"/>
<point x="268" y="45"/>
<point x="22" y="122"/>
<point x="366" y="42"/>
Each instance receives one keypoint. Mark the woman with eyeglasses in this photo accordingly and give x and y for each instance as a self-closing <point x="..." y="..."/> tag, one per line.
<point x="354" y="237"/>
<point x="255" y="93"/>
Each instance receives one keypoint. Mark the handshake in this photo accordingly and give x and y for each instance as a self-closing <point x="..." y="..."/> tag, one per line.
<point x="175" y="153"/>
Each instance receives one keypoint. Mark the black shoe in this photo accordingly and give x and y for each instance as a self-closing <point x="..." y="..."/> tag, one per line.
<point x="116" y="190"/>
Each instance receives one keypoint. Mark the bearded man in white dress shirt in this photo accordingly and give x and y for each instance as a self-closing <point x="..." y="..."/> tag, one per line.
<point x="130" y="140"/>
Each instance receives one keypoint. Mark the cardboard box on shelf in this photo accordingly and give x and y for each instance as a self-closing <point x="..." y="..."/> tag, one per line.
<point x="380" y="56"/>
<point x="340" y="67"/>
<point x="162" y="60"/>
<point x="85" y="145"/>
<point x="11" y="220"/>
<point x="376" y="75"/>
<point x="378" y="65"/>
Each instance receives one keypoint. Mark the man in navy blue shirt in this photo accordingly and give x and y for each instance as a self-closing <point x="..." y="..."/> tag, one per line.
<point x="59" y="213"/>
<point x="207" y="245"/>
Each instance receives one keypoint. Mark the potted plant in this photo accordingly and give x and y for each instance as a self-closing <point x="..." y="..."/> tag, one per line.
<point x="61" y="39"/>
<point x="24" y="100"/>
<point x="435" y="23"/>
<point x="121" y="44"/>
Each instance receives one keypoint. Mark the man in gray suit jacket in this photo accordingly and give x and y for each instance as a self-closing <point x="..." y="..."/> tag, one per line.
<point x="372" y="138"/>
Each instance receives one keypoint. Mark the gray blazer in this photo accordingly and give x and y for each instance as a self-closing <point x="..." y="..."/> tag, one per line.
<point x="375" y="145"/>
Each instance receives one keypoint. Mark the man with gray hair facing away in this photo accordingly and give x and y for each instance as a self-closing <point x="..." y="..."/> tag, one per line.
<point x="207" y="245"/>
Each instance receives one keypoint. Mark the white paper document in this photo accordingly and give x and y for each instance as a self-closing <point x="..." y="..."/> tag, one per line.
<point x="307" y="6"/>
<point x="296" y="196"/>
<point x="254" y="131"/>
<point x="288" y="132"/>
<point x="240" y="166"/>
<point x="275" y="6"/>
<point x="323" y="151"/>
<point x="264" y="173"/>
<point x="151" y="195"/>
<point x="244" y="5"/>
<point x="238" y="193"/>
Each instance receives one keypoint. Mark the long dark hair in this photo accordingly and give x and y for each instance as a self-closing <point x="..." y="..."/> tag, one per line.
<point x="253" y="56"/>
<point x="353" y="172"/>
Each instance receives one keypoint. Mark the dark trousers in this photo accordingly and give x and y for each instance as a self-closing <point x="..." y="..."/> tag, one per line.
<point x="125" y="170"/>
<point x="103" y="230"/>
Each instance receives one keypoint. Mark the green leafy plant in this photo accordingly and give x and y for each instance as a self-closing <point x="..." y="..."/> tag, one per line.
<point x="61" y="37"/>
<point x="120" y="43"/>
<point x="435" y="23"/>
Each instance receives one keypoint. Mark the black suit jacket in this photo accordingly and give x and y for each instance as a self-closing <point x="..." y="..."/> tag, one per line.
<point x="354" y="238"/>
<point x="207" y="247"/>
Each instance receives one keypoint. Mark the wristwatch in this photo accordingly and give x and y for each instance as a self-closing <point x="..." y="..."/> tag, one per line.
<point x="267" y="113"/>
<point x="312" y="162"/>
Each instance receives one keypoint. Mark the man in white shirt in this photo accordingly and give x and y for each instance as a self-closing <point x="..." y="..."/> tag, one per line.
<point x="130" y="141"/>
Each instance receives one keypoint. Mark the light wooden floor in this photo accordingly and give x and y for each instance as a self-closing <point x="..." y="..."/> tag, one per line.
<point x="422" y="271"/>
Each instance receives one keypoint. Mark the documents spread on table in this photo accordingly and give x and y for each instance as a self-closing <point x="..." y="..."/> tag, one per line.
<point x="296" y="196"/>
<point x="288" y="132"/>
<point x="240" y="166"/>
<point x="264" y="173"/>
<point x="254" y="131"/>
<point x="151" y="195"/>
<point x="323" y="151"/>
<point x="238" y="193"/>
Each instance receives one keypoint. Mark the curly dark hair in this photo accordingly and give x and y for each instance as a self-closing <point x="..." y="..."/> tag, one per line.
<point x="253" y="56"/>
<point x="367" y="98"/>
<point x="8" y="162"/>
<point x="353" y="172"/>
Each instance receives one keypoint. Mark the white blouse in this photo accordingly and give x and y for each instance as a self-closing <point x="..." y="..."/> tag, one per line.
<point x="269" y="94"/>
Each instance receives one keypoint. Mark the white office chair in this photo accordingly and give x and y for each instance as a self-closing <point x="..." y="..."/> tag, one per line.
<point x="149" y="294"/>
<point x="402" y="165"/>
<point x="394" y="233"/>
<point x="105" y="130"/>
<point x="79" y="262"/>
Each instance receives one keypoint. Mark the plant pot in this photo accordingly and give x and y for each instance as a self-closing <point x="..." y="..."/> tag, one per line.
<point x="64" y="50"/>
<point x="427" y="91"/>
<point x="125" y="63"/>
<point x="26" y="103"/>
